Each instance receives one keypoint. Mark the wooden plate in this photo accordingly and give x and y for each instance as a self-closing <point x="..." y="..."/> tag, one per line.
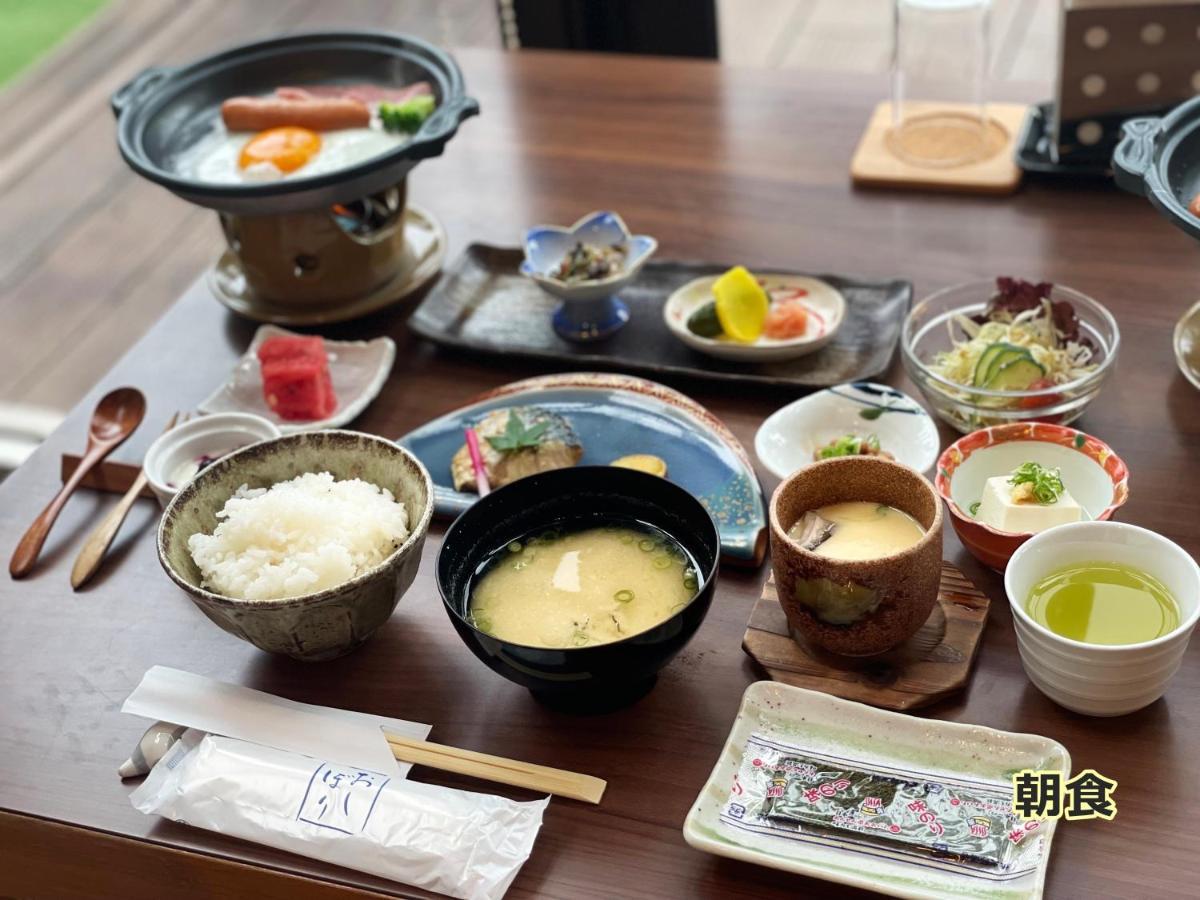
<point x="933" y="664"/>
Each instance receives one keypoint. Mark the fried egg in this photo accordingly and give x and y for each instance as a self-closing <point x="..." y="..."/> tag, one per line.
<point x="230" y="157"/>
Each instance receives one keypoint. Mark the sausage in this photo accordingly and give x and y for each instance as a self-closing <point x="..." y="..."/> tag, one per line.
<point x="318" y="114"/>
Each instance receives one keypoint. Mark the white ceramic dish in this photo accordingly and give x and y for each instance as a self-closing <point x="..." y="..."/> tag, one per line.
<point x="358" y="369"/>
<point x="823" y="298"/>
<point x="1094" y="679"/>
<point x="789" y="437"/>
<point x="832" y="726"/>
<point x="212" y="436"/>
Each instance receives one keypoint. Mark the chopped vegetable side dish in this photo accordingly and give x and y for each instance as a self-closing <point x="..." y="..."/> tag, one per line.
<point x="1023" y="341"/>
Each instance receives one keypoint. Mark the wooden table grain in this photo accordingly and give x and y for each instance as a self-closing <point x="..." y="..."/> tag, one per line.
<point x="719" y="164"/>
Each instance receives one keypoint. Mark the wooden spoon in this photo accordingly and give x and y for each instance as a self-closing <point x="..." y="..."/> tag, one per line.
<point x="88" y="562"/>
<point x="117" y="415"/>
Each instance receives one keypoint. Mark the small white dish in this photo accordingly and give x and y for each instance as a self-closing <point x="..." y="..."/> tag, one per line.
<point x="358" y="370"/>
<point x="928" y="748"/>
<point x="204" y="439"/>
<point x="1101" y="679"/>
<point x="789" y="437"/>
<point x="821" y="298"/>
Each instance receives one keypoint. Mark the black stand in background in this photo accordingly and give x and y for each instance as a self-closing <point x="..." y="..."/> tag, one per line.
<point x="660" y="27"/>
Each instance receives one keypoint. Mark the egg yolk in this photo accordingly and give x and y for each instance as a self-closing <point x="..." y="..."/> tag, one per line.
<point x="287" y="148"/>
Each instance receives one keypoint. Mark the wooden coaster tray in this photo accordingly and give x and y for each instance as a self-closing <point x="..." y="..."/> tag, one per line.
<point x="933" y="664"/>
<point x="875" y="165"/>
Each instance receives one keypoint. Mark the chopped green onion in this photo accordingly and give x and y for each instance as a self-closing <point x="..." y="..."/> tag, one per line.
<point x="646" y="544"/>
<point x="690" y="583"/>
<point x="974" y="508"/>
<point x="515" y="547"/>
<point x="623" y="596"/>
<point x="1047" y="483"/>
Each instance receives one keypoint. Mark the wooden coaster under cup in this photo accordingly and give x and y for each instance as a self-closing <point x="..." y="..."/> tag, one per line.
<point x="876" y="165"/>
<point x="932" y="664"/>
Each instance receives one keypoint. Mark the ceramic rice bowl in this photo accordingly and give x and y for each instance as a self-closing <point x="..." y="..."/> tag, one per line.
<point x="329" y="623"/>
<point x="893" y="595"/>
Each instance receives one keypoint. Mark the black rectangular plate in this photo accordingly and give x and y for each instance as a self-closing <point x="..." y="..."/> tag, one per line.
<point x="483" y="303"/>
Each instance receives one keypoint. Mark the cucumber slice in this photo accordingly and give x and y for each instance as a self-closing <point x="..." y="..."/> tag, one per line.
<point x="704" y="322"/>
<point x="990" y="355"/>
<point x="1016" y="375"/>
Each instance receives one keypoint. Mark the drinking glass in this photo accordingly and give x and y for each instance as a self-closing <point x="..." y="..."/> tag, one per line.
<point x="939" y="68"/>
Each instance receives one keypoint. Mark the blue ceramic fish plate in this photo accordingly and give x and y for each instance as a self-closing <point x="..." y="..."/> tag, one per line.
<point x="614" y="416"/>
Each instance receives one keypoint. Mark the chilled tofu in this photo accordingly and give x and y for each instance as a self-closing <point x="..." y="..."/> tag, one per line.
<point x="999" y="508"/>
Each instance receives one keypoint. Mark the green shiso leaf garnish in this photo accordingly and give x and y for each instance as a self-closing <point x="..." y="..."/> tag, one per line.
<point x="518" y="436"/>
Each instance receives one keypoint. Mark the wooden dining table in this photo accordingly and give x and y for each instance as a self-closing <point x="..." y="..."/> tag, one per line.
<point x="722" y="165"/>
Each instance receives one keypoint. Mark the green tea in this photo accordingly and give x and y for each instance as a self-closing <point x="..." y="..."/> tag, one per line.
<point x="1103" y="603"/>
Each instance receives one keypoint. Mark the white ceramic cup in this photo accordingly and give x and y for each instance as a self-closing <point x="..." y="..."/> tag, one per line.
<point x="217" y="434"/>
<point x="1099" y="679"/>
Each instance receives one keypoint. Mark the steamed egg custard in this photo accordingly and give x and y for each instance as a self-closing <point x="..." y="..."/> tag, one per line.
<point x="856" y="530"/>
<point x="577" y="588"/>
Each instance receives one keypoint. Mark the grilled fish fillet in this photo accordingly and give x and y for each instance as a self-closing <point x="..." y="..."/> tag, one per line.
<point x="560" y="448"/>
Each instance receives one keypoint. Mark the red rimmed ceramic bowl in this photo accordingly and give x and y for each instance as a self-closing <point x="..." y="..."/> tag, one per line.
<point x="1092" y="473"/>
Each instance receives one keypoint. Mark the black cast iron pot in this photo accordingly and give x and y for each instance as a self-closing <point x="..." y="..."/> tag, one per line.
<point x="1160" y="158"/>
<point x="162" y="111"/>
<point x="579" y="678"/>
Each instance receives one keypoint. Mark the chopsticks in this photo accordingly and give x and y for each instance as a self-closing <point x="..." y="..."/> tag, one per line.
<point x="87" y="564"/>
<point x="559" y="782"/>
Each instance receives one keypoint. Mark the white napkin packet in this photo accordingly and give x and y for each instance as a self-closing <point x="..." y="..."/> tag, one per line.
<point x="441" y="839"/>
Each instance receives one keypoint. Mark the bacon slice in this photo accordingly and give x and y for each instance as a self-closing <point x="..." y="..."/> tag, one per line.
<point x="365" y="93"/>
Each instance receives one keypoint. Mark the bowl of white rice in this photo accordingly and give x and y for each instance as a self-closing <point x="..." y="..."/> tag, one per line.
<point x="302" y="545"/>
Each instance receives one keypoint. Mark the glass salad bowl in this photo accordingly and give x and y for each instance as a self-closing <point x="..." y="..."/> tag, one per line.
<point x="975" y="394"/>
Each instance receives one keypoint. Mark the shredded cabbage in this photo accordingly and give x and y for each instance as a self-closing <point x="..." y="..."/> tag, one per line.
<point x="1032" y="329"/>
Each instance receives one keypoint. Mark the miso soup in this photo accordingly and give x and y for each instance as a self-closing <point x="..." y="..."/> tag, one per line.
<point x="582" y="587"/>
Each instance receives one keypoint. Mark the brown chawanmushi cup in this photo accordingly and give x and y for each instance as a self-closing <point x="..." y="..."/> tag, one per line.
<point x="856" y="607"/>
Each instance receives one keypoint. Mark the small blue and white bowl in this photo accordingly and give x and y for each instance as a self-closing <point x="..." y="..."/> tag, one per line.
<point x="590" y="310"/>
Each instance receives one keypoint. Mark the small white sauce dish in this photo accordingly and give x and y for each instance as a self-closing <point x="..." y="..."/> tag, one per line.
<point x="358" y="370"/>
<point x="172" y="456"/>
<point x="1098" y="679"/>
<point x="789" y="437"/>
<point x="820" y="297"/>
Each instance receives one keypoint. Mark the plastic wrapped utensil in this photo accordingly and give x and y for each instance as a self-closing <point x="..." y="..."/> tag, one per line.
<point x="458" y="843"/>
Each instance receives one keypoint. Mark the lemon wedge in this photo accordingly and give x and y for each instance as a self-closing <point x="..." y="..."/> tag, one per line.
<point x="742" y="305"/>
<point x="642" y="462"/>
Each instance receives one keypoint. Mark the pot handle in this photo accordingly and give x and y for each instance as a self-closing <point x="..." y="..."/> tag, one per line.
<point x="1134" y="153"/>
<point x="137" y="87"/>
<point x="447" y="118"/>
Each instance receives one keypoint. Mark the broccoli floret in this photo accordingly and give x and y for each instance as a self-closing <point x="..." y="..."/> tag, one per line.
<point x="406" y="116"/>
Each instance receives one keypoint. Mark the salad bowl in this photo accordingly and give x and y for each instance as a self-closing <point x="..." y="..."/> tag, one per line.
<point x="988" y="353"/>
<point x="590" y="309"/>
<point x="1096" y="477"/>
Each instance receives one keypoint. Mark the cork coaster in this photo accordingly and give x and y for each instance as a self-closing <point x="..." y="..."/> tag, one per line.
<point x="879" y="159"/>
<point x="932" y="664"/>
